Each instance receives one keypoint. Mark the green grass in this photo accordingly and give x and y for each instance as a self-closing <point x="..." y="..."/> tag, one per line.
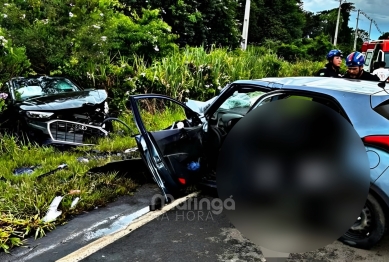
<point x="25" y="199"/>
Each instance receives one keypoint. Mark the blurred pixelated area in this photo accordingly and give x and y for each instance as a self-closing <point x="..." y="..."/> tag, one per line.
<point x="299" y="176"/>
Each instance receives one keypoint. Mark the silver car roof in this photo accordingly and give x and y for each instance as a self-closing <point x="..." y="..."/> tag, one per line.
<point x="357" y="97"/>
<point x="325" y="83"/>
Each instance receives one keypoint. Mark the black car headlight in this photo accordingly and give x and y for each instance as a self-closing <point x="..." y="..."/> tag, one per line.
<point x="40" y="115"/>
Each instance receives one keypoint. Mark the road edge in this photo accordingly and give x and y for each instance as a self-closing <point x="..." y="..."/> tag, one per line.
<point x="108" y="239"/>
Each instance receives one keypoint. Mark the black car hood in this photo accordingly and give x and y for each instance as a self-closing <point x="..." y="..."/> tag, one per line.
<point x="64" y="100"/>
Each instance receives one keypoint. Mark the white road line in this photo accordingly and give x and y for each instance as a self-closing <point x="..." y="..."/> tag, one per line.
<point x="109" y="239"/>
<point x="72" y="236"/>
<point x="119" y="224"/>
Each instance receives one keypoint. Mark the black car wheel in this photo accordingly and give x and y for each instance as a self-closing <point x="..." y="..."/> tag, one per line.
<point x="369" y="228"/>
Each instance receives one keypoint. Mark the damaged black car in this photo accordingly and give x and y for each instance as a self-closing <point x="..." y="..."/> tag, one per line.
<point x="54" y="111"/>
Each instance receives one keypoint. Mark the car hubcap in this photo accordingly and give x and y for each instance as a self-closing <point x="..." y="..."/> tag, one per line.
<point x="362" y="226"/>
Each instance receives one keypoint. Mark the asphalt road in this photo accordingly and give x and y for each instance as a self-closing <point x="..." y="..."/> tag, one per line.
<point x="177" y="235"/>
<point x="195" y="236"/>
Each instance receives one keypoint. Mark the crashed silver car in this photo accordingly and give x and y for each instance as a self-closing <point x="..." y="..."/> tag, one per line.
<point x="186" y="152"/>
<point x="54" y="110"/>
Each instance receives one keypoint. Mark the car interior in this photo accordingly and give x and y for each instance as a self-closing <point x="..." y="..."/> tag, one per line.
<point x="224" y="120"/>
<point x="178" y="144"/>
<point x="184" y="141"/>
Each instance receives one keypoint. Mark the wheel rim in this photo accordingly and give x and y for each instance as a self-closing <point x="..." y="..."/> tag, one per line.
<point x="362" y="227"/>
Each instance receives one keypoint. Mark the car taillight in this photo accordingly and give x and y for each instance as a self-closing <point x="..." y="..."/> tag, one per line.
<point x="182" y="180"/>
<point x="377" y="140"/>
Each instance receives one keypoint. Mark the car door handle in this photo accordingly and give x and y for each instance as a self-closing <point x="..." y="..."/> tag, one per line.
<point x="158" y="162"/>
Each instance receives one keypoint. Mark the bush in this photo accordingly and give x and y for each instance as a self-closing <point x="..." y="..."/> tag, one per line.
<point x="13" y="60"/>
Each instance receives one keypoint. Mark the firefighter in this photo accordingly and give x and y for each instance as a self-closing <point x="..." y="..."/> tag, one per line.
<point x="331" y="69"/>
<point x="355" y="62"/>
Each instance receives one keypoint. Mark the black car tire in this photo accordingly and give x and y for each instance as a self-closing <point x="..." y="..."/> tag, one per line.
<point x="376" y="227"/>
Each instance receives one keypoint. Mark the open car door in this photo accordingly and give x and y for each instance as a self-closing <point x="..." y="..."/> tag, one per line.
<point x="170" y="140"/>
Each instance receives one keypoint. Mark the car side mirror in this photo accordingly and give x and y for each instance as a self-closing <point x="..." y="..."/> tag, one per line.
<point x="382" y="84"/>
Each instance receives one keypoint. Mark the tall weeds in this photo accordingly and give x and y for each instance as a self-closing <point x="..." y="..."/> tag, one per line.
<point x="195" y="73"/>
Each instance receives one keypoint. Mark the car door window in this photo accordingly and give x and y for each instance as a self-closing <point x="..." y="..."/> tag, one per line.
<point x="161" y="114"/>
<point x="289" y="95"/>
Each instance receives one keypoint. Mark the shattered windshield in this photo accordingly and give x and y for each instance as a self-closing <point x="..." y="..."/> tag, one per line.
<point x="240" y="102"/>
<point x="32" y="87"/>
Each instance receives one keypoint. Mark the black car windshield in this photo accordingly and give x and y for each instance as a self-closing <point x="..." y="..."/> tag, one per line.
<point x="25" y="88"/>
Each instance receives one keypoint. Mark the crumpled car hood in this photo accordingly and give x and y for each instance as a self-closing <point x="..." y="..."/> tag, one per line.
<point x="65" y="100"/>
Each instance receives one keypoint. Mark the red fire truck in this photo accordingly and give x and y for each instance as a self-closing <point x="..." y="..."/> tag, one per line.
<point x="374" y="51"/>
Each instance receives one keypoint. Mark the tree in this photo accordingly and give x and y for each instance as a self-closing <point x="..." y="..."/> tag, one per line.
<point x="79" y="36"/>
<point x="13" y="60"/>
<point x="345" y="31"/>
<point x="384" y="36"/>
<point x="324" y="22"/>
<point x="312" y="26"/>
<point x="274" y="19"/>
<point x="197" y="23"/>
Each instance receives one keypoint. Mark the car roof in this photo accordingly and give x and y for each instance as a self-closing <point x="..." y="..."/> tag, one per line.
<point x="312" y="83"/>
<point x="355" y="96"/>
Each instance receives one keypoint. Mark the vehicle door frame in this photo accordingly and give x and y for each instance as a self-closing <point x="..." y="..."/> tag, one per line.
<point x="154" y="160"/>
<point x="260" y="85"/>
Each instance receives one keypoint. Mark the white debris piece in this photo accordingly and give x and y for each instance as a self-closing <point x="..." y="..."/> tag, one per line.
<point x="130" y="150"/>
<point x="83" y="160"/>
<point x="74" y="203"/>
<point x="53" y="211"/>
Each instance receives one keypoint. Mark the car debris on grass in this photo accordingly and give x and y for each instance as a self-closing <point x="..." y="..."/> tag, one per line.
<point x="25" y="200"/>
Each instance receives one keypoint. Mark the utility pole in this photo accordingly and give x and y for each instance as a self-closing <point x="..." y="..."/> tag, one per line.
<point x="356" y="33"/>
<point x="337" y="24"/>
<point x="371" y="22"/>
<point x="246" y="25"/>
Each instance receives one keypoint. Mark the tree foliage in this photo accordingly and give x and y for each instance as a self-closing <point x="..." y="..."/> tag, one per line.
<point x="324" y="23"/>
<point x="105" y="43"/>
<point x="197" y="23"/>
<point x="72" y="35"/>
<point x="384" y="36"/>
<point x="13" y="60"/>
<point x="277" y="20"/>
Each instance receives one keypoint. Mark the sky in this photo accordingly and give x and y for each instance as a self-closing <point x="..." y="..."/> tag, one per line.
<point x="377" y="10"/>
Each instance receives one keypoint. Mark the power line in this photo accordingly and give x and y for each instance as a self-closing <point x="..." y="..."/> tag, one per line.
<point x="371" y="20"/>
<point x="377" y="27"/>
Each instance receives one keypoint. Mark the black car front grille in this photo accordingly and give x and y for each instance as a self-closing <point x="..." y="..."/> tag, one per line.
<point x="73" y="132"/>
